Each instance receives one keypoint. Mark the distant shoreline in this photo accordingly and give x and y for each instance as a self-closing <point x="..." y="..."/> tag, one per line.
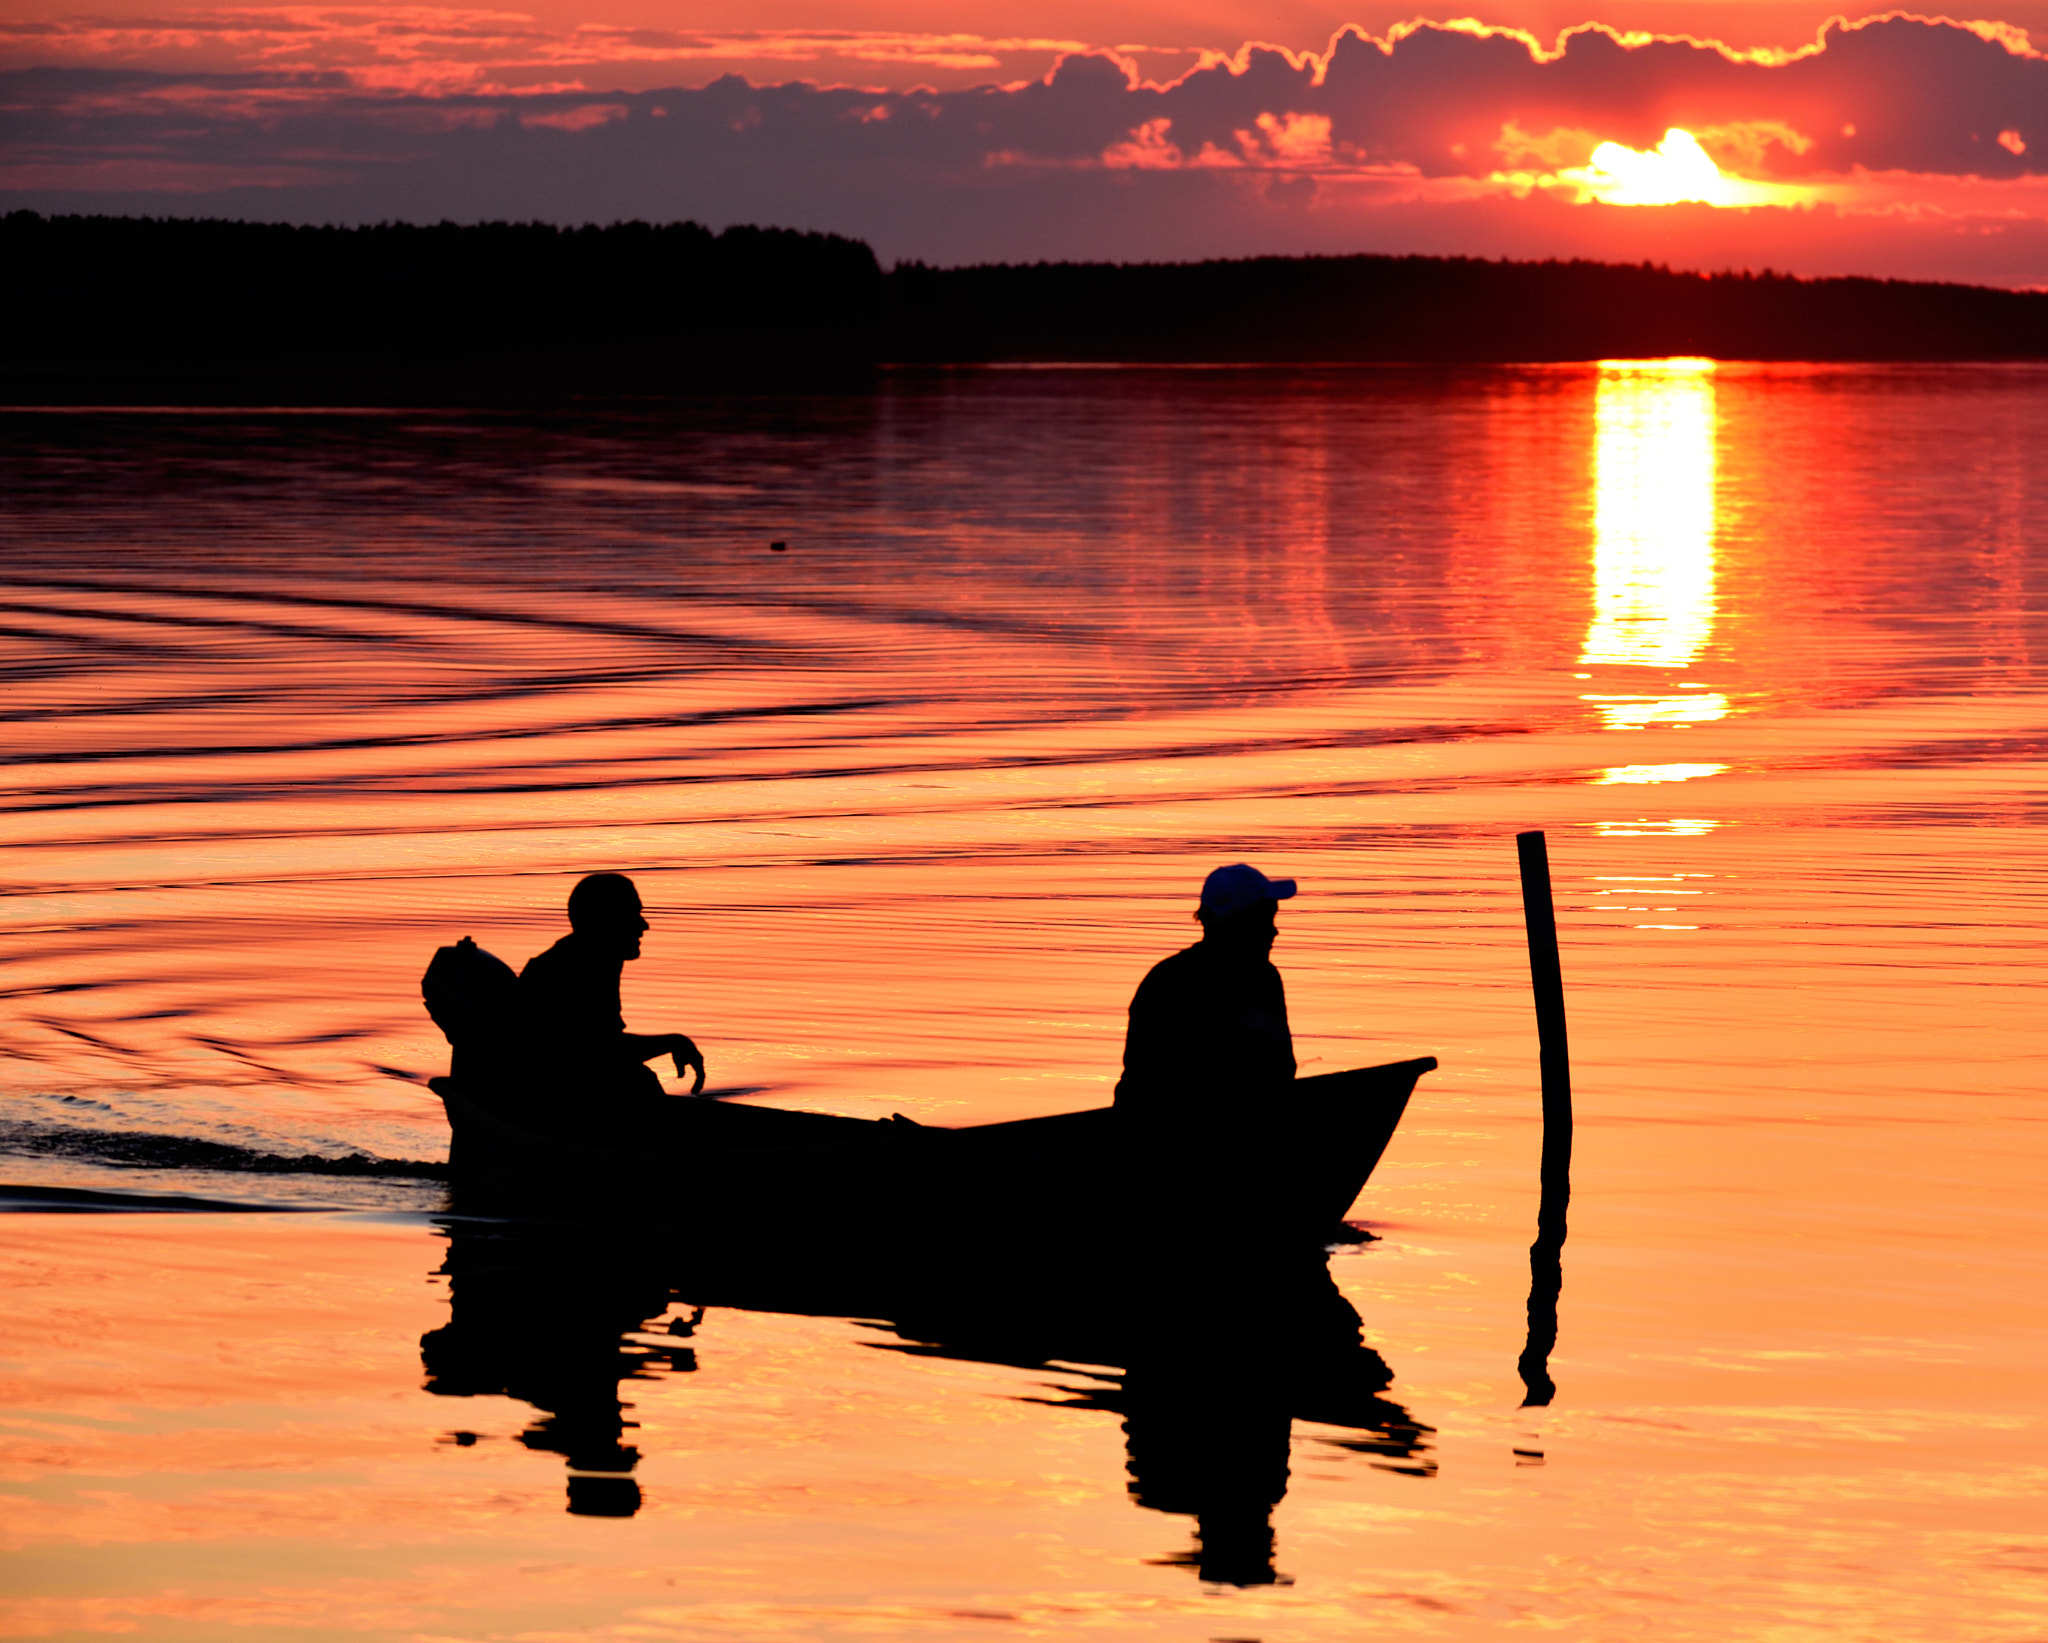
<point x="168" y="312"/>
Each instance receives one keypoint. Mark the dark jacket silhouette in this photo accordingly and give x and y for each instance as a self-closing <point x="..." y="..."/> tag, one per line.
<point x="576" y="1027"/>
<point x="570" y="998"/>
<point x="1208" y="1032"/>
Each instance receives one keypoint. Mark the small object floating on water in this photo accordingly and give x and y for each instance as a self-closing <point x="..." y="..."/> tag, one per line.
<point x="778" y="547"/>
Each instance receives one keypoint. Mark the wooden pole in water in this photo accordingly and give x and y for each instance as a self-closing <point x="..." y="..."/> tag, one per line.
<point x="1548" y="980"/>
<point x="1546" y="1255"/>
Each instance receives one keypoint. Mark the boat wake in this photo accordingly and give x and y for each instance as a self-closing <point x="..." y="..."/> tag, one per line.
<point x="129" y="1168"/>
<point x="16" y="1199"/>
<point x="131" y="1149"/>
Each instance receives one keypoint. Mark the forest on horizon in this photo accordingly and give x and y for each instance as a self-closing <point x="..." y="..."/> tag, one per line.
<point x="164" y="310"/>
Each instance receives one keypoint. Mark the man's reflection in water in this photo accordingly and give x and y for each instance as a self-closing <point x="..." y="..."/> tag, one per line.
<point x="1204" y="1444"/>
<point x="1208" y="1425"/>
<point x="545" y="1316"/>
<point x="1219" y="1360"/>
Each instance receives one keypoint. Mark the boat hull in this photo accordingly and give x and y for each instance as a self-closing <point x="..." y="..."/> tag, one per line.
<point x="1294" y="1167"/>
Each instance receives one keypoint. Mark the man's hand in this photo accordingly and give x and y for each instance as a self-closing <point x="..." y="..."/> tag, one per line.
<point x="688" y="1059"/>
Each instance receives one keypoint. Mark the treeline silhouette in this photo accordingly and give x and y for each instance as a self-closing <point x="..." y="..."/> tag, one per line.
<point x="152" y="307"/>
<point x="110" y="307"/>
<point x="1444" y="310"/>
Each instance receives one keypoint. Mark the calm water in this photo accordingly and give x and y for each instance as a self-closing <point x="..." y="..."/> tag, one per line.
<point x="291" y="699"/>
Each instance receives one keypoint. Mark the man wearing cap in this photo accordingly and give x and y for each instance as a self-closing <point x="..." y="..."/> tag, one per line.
<point x="1208" y="1032"/>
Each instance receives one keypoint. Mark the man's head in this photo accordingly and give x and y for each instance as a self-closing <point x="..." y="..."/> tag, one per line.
<point x="1239" y="907"/>
<point x="605" y="908"/>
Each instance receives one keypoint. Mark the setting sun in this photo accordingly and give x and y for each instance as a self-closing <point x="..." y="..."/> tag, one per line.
<point x="1675" y="171"/>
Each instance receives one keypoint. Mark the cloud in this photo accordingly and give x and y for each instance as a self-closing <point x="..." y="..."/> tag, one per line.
<point x="581" y="118"/>
<point x="448" y="48"/>
<point x="1935" y="131"/>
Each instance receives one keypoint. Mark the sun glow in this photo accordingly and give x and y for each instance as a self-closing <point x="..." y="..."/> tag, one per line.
<point x="1676" y="170"/>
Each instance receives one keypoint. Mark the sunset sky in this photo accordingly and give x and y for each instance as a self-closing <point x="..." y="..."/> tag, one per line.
<point x="967" y="130"/>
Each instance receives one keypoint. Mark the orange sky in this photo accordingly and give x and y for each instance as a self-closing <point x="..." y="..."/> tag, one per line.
<point x="886" y="43"/>
<point x="1000" y="131"/>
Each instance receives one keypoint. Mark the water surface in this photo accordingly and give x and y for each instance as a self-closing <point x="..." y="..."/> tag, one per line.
<point x="292" y="698"/>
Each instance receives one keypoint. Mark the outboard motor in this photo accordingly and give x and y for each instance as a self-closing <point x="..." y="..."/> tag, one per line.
<point x="473" y="997"/>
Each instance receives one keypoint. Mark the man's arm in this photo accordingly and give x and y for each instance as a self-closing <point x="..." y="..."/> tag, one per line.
<point x="646" y="1046"/>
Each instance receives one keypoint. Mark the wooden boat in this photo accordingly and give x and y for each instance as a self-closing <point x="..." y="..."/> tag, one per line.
<point x="1299" y="1163"/>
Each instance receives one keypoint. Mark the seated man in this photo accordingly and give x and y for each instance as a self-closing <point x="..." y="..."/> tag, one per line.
<point x="570" y="998"/>
<point x="1208" y="1031"/>
<point x="1208" y="1061"/>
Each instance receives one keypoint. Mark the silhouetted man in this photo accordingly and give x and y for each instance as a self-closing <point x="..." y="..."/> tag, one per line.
<point x="1208" y="1036"/>
<point x="570" y="996"/>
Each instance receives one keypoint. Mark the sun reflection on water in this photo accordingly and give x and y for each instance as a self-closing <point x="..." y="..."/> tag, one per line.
<point x="1640" y="712"/>
<point x="1648" y="773"/>
<point x="1677" y="826"/>
<point x="1653" y="517"/>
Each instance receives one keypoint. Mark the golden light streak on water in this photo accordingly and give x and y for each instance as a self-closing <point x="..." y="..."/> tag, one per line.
<point x="1640" y="712"/>
<point x="1653" y="521"/>
<point x="1649" y="773"/>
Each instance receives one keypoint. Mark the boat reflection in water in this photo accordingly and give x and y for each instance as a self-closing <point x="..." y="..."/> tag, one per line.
<point x="554" y="1316"/>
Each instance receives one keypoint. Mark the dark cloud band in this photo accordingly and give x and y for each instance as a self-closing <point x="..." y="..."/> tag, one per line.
<point x="1433" y="114"/>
